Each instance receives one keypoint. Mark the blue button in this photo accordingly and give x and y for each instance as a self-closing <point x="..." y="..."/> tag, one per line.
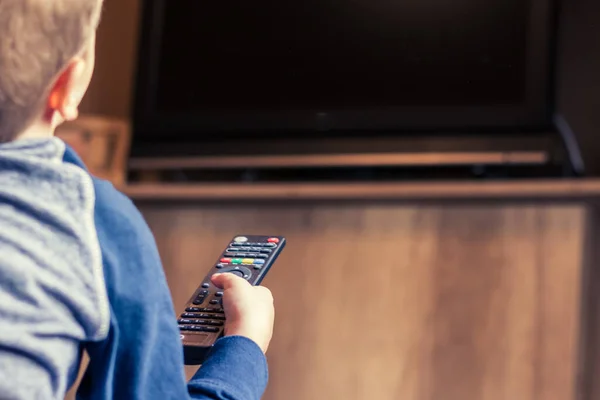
<point x="259" y="261"/>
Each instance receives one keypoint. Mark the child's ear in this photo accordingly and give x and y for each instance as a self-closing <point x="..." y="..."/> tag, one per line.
<point x="63" y="98"/>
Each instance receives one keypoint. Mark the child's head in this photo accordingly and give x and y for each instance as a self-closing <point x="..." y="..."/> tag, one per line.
<point x="46" y="62"/>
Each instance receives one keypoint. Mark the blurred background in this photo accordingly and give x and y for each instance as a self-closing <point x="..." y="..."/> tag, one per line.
<point x="433" y="165"/>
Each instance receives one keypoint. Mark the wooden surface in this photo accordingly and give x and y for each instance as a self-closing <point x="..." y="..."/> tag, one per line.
<point x="412" y="303"/>
<point x="463" y="190"/>
<point x="343" y="160"/>
<point x="590" y="343"/>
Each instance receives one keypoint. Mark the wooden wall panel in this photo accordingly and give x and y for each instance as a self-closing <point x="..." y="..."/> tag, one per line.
<point x="400" y="302"/>
<point x="590" y="338"/>
<point x="111" y="89"/>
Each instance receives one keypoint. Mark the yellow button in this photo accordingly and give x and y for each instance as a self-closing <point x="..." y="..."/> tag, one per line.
<point x="248" y="261"/>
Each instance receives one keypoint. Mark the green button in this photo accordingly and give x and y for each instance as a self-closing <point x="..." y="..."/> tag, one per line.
<point x="236" y="261"/>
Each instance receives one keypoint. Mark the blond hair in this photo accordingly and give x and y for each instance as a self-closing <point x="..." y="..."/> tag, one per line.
<point x="37" y="40"/>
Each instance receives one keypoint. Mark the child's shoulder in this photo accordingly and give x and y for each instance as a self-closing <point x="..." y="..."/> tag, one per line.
<point x="117" y="214"/>
<point x="112" y="207"/>
<point x="113" y="204"/>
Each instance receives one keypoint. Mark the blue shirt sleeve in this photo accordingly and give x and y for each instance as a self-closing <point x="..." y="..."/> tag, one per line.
<point x="142" y="358"/>
<point x="233" y="356"/>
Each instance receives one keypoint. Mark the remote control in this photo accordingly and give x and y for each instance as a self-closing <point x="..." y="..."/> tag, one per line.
<point x="202" y="322"/>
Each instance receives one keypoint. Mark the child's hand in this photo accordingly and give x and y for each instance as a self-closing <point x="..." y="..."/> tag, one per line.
<point x="249" y="309"/>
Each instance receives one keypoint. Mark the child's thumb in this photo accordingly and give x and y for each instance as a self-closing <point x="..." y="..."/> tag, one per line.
<point x="228" y="280"/>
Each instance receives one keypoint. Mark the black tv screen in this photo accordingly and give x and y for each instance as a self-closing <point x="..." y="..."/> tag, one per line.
<point x="241" y="67"/>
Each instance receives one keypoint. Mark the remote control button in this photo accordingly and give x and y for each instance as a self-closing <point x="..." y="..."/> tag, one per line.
<point x="210" y="316"/>
<point x="196" y="328"/>
<point x="211" y="310"/>
<point x="273" y="240"/>
<point x="206" y="285"/>
<point x="251" y="255"/>
<point x="259" y="262"/>
<point x="233" y="249"/>
<point x="257" y="267"/>
<point x="214" y="301"/>
<point x="270" y="245"/>
<point x="244" y="248"/>
<point x="254" y="248"/>
<point x="214" y="323"/>
<point x="219" y="294"/>
<point x="242" y="271"/>
<point x="238" y="273"/>
<point x="188" y="315"/>
<point x="221" y="265"/>
<point x="186" y="328"/>
<point x="193" y="309"/>
<point x="248" y="261"/>
<point x="201" y="297"/>
<point x="236" y="244"/>
<point x="225" y="260"/>
<point x="262" y="256"/>
<point x="236" y="261"/>
<point x="267" y="251"/>
<point x="185" y="321"/>
<point x="240" y="239"/>
<point x="229" y="255"/>
<point x="241" y="255"/>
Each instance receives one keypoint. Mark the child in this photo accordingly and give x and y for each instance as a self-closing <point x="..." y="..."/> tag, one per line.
<point x="79" y="269"/>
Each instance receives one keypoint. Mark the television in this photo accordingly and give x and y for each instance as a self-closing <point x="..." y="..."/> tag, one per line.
<point x="223" y="71"/>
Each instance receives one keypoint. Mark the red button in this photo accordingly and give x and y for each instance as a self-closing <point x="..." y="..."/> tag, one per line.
<point x="273" y="240"/>
<point x="225" y="260"/>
